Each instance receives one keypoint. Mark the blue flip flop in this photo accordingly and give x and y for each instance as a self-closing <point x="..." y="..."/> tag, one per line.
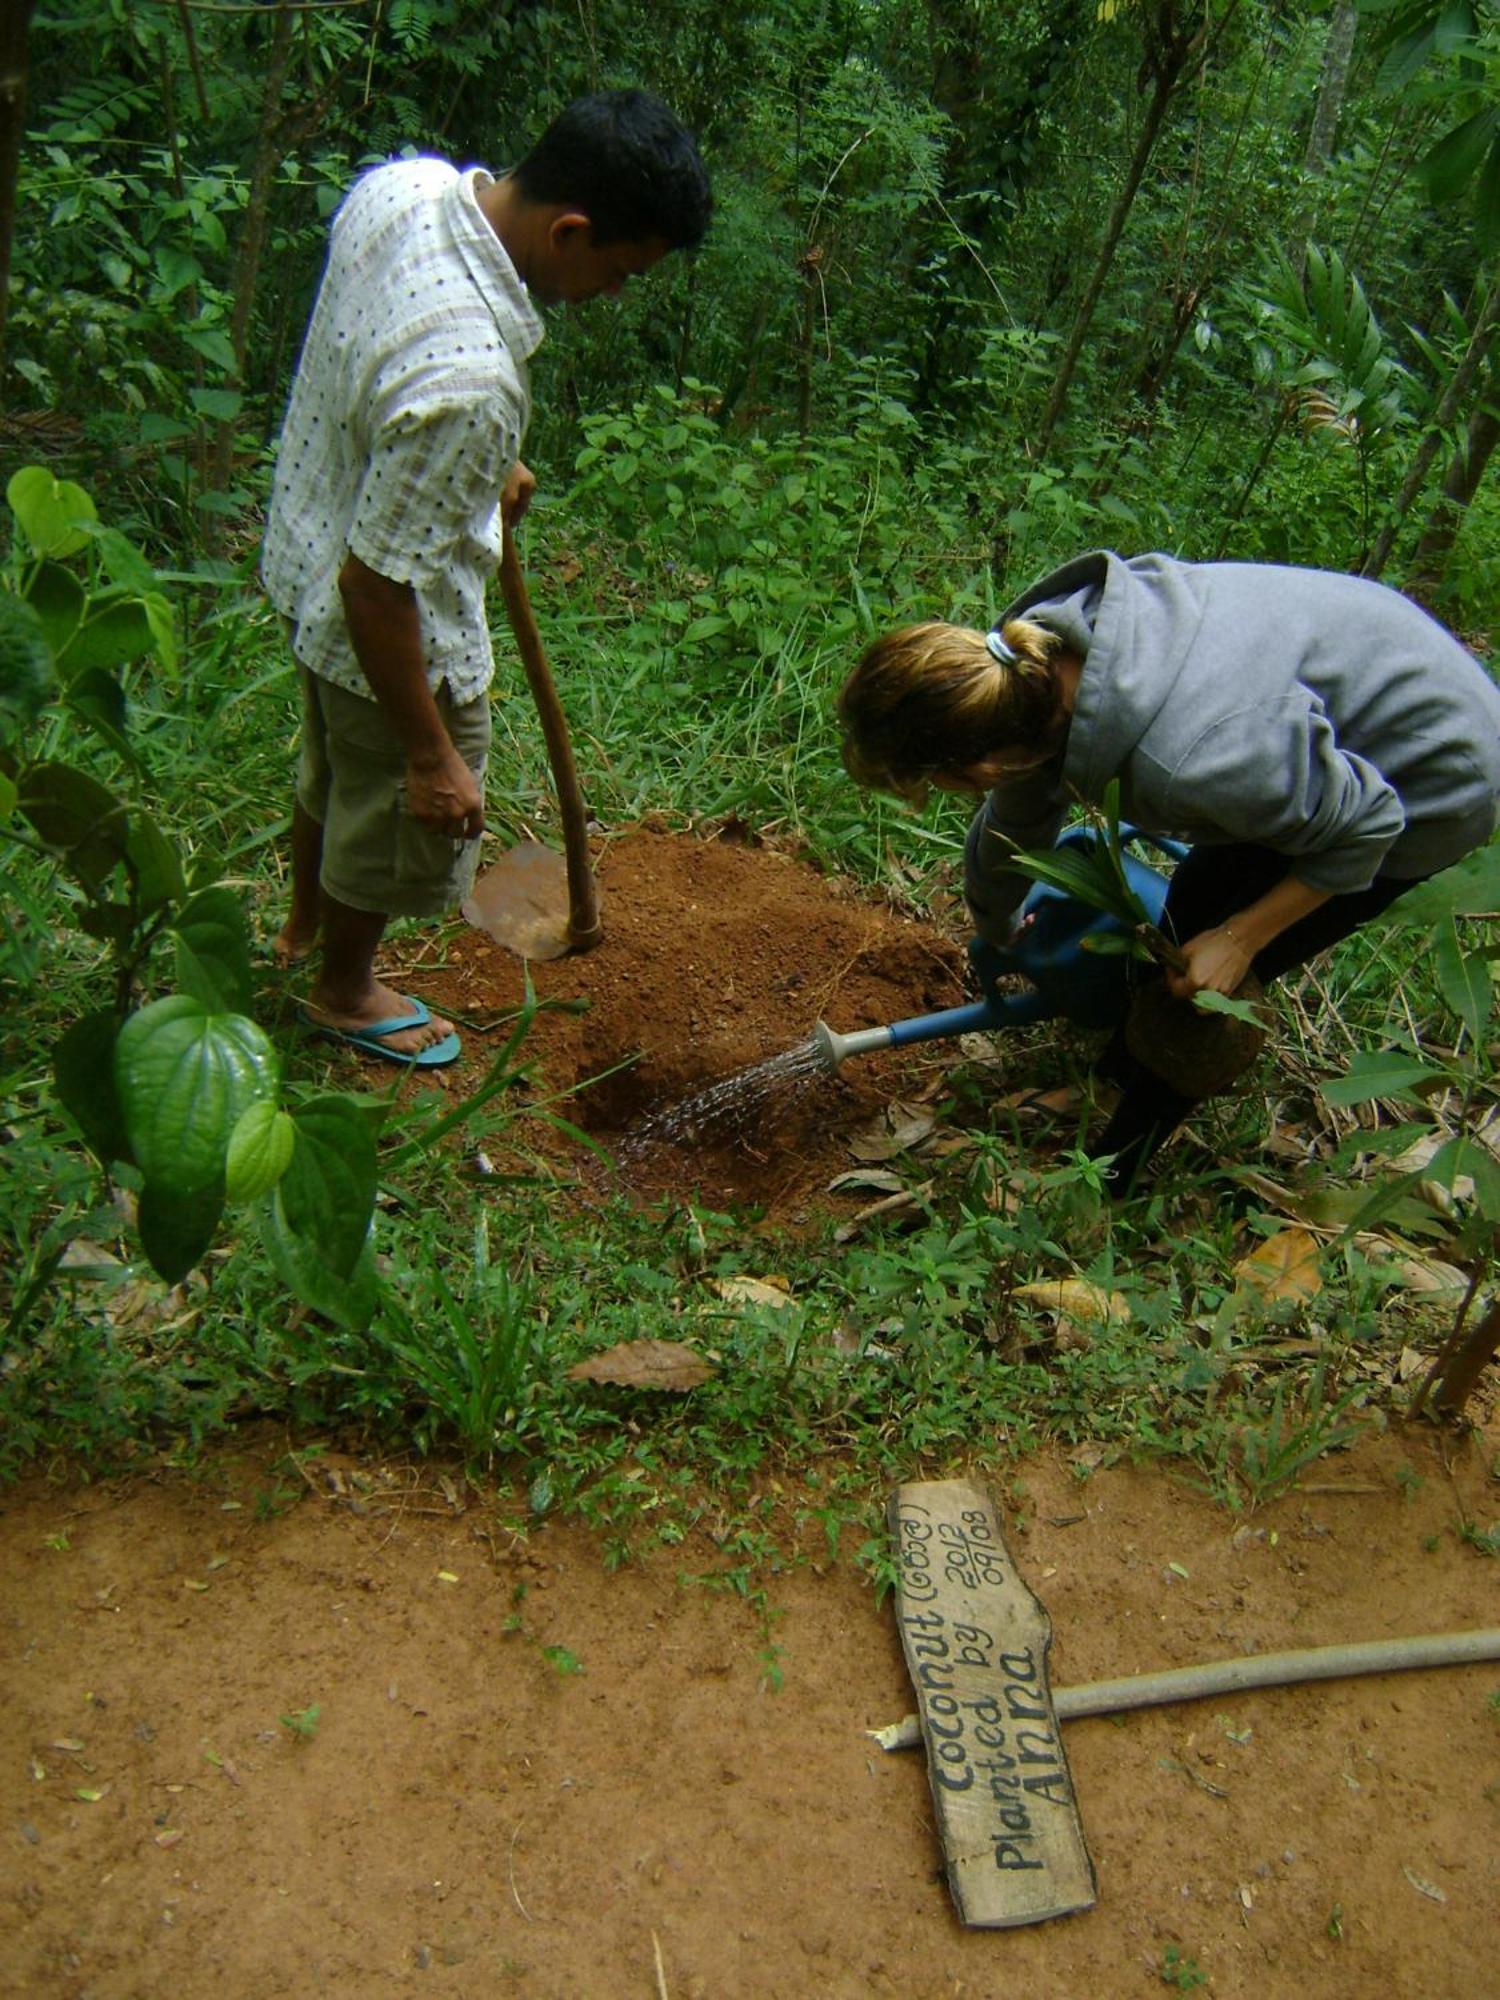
<point x="369" y="1040"/>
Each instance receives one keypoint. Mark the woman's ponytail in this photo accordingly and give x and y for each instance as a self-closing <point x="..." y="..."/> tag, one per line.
<point x="933" y="700"/>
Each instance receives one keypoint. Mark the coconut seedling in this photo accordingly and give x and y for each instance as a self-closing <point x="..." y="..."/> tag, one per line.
<point x="1199" y="1046"/>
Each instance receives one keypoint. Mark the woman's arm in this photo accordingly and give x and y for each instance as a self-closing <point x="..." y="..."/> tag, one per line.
<point x="1218" y="959"/>
<point x="1027" y="813"/>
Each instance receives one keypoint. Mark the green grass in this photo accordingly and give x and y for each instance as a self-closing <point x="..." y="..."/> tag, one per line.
<point x="902" y="1354"/>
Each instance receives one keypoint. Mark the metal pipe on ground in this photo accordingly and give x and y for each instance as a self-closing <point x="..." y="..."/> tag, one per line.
<point x="1221" y="1677"/>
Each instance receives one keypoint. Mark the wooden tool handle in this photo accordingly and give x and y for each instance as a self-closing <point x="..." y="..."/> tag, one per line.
<point x="584" y="927"/>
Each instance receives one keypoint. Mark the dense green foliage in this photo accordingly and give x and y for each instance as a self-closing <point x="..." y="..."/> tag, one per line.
<point x="825" y="419"/>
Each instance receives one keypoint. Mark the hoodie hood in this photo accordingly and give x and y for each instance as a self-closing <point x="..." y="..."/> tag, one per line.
<point x="1322" y="715"/>
<point x="1134" y="625"/>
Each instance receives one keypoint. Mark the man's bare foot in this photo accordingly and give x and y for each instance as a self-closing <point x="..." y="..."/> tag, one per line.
<point x="383" y="1003"/>
<point x="293" y="942"/>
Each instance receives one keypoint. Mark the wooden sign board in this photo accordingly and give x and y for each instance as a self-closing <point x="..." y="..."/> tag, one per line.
<point x="976" y="1643"/>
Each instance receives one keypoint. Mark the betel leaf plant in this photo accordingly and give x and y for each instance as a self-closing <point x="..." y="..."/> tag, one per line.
<point x="184" y="1088"/>
<point x="1450" y="1096"/>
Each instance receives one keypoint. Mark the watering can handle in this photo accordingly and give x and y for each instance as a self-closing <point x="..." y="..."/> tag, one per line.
<point x="584" y="927"/>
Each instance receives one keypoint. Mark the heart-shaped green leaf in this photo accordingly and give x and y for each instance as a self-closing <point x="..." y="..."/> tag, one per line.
<point x="99" y="700"/>
<point x="260" y="1150"/>
<point x="83" y="1074"/>
<point x="177" y="1228"/>
<point x="298" y="1262"/>
<point x="213" y="951"/>
<point x="59" y="600"/>
<point x="110" y="922"/>
<point x="27" y="681"/>
<point x="156" y="867"/>
<point x="84" y="821"/>
<point x="184" y="1076"/>
<point x="49" y="511"/>
<point x="120" y="632"/>
<point x="328" y="1192"/>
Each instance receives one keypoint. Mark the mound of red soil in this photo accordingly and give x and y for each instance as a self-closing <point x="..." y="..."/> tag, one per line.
<point x="718" y="955"/>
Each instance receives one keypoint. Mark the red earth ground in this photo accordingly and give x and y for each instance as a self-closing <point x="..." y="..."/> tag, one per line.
<point x="467" y="1815"/>
<point x="463" y="1819"/>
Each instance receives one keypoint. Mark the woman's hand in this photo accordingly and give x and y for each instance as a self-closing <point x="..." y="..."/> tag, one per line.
<point x="1217" y="962"/>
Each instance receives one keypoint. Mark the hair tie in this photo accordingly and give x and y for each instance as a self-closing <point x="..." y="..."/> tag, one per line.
<point x="1006" y="655"/>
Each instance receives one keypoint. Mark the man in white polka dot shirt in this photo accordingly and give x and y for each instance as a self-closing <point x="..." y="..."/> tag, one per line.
<point x="398" y="465"/>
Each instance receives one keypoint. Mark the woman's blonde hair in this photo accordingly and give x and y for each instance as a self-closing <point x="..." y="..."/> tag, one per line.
<point x="931" y="701"/>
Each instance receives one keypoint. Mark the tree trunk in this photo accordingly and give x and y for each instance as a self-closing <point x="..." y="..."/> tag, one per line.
<point x="1429" y="560"/>
<point x="1475" y="356"/>
<point x="810" y="264"/>
<point x="1186" y="291"/>
<point x="15" y="25"/>
<point x="1162" y="91"/>
<point x="1455" y="1376"/>
<point x="1337" y="51"/>
<point x="250" y="248"/>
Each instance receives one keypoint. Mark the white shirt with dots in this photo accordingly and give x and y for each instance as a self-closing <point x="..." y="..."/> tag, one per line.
<point x="407" y="412"/>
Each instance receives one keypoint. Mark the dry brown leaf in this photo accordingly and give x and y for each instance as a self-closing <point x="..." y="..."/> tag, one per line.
<point x="946" y="1144"/>
<point x="1431" y="1274"/>
<point x="1416" y="1273"/>
<point x="645" y="1364"/>
<point x="1285" y="1266"/>
<point x="82" y="1254"/>
<point x="871" y="1180"/>
<point x="1055" y="1102"/>
<point x="1436" y="1194"/>
<point x="753" y="1291"/>
<point x="1077" y="1299"/>
<point x="898" y="1129"/>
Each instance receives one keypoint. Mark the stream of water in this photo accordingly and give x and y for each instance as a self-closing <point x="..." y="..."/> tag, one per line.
<point x="726" y="1111"/>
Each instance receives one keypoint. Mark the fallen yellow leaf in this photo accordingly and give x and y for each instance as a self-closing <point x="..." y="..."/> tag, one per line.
<point x="1285" y="1266"/>
<point x="1077" y="1298"/>
<point x="753" y="1291"/>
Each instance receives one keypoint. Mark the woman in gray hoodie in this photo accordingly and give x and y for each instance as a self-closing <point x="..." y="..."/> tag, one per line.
<point x="1317" y="739"/>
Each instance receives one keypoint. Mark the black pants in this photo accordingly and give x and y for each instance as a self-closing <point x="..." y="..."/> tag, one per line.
<point x="1212" y="883"/>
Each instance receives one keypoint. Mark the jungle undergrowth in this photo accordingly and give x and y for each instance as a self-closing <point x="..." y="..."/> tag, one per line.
<point x="698" y="656"/>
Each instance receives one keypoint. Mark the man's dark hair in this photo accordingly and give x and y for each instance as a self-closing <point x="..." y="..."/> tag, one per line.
<point x="625" y="162"/>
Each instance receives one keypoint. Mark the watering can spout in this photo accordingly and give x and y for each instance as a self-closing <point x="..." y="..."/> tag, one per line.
<point x="1049" y="949"/>
<point x="835" y="1049"/>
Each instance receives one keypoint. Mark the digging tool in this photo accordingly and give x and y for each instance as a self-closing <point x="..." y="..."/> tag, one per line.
<point x="531" y="900"/>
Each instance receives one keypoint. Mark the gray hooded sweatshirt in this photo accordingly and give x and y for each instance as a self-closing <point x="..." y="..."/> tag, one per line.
<point x="1321" y="715"/>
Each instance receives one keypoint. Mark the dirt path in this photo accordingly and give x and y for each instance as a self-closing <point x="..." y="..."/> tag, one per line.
<point x="469" y="1817"/>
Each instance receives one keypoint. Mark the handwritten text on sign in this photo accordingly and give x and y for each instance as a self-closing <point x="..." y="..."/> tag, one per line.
<point x="976" y="1644"/>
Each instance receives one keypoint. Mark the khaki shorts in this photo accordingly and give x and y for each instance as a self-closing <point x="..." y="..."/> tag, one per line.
<point x="351" y="778"/>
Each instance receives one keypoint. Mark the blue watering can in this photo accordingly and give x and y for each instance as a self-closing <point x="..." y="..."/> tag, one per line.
<point x="1089" y="988"/>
